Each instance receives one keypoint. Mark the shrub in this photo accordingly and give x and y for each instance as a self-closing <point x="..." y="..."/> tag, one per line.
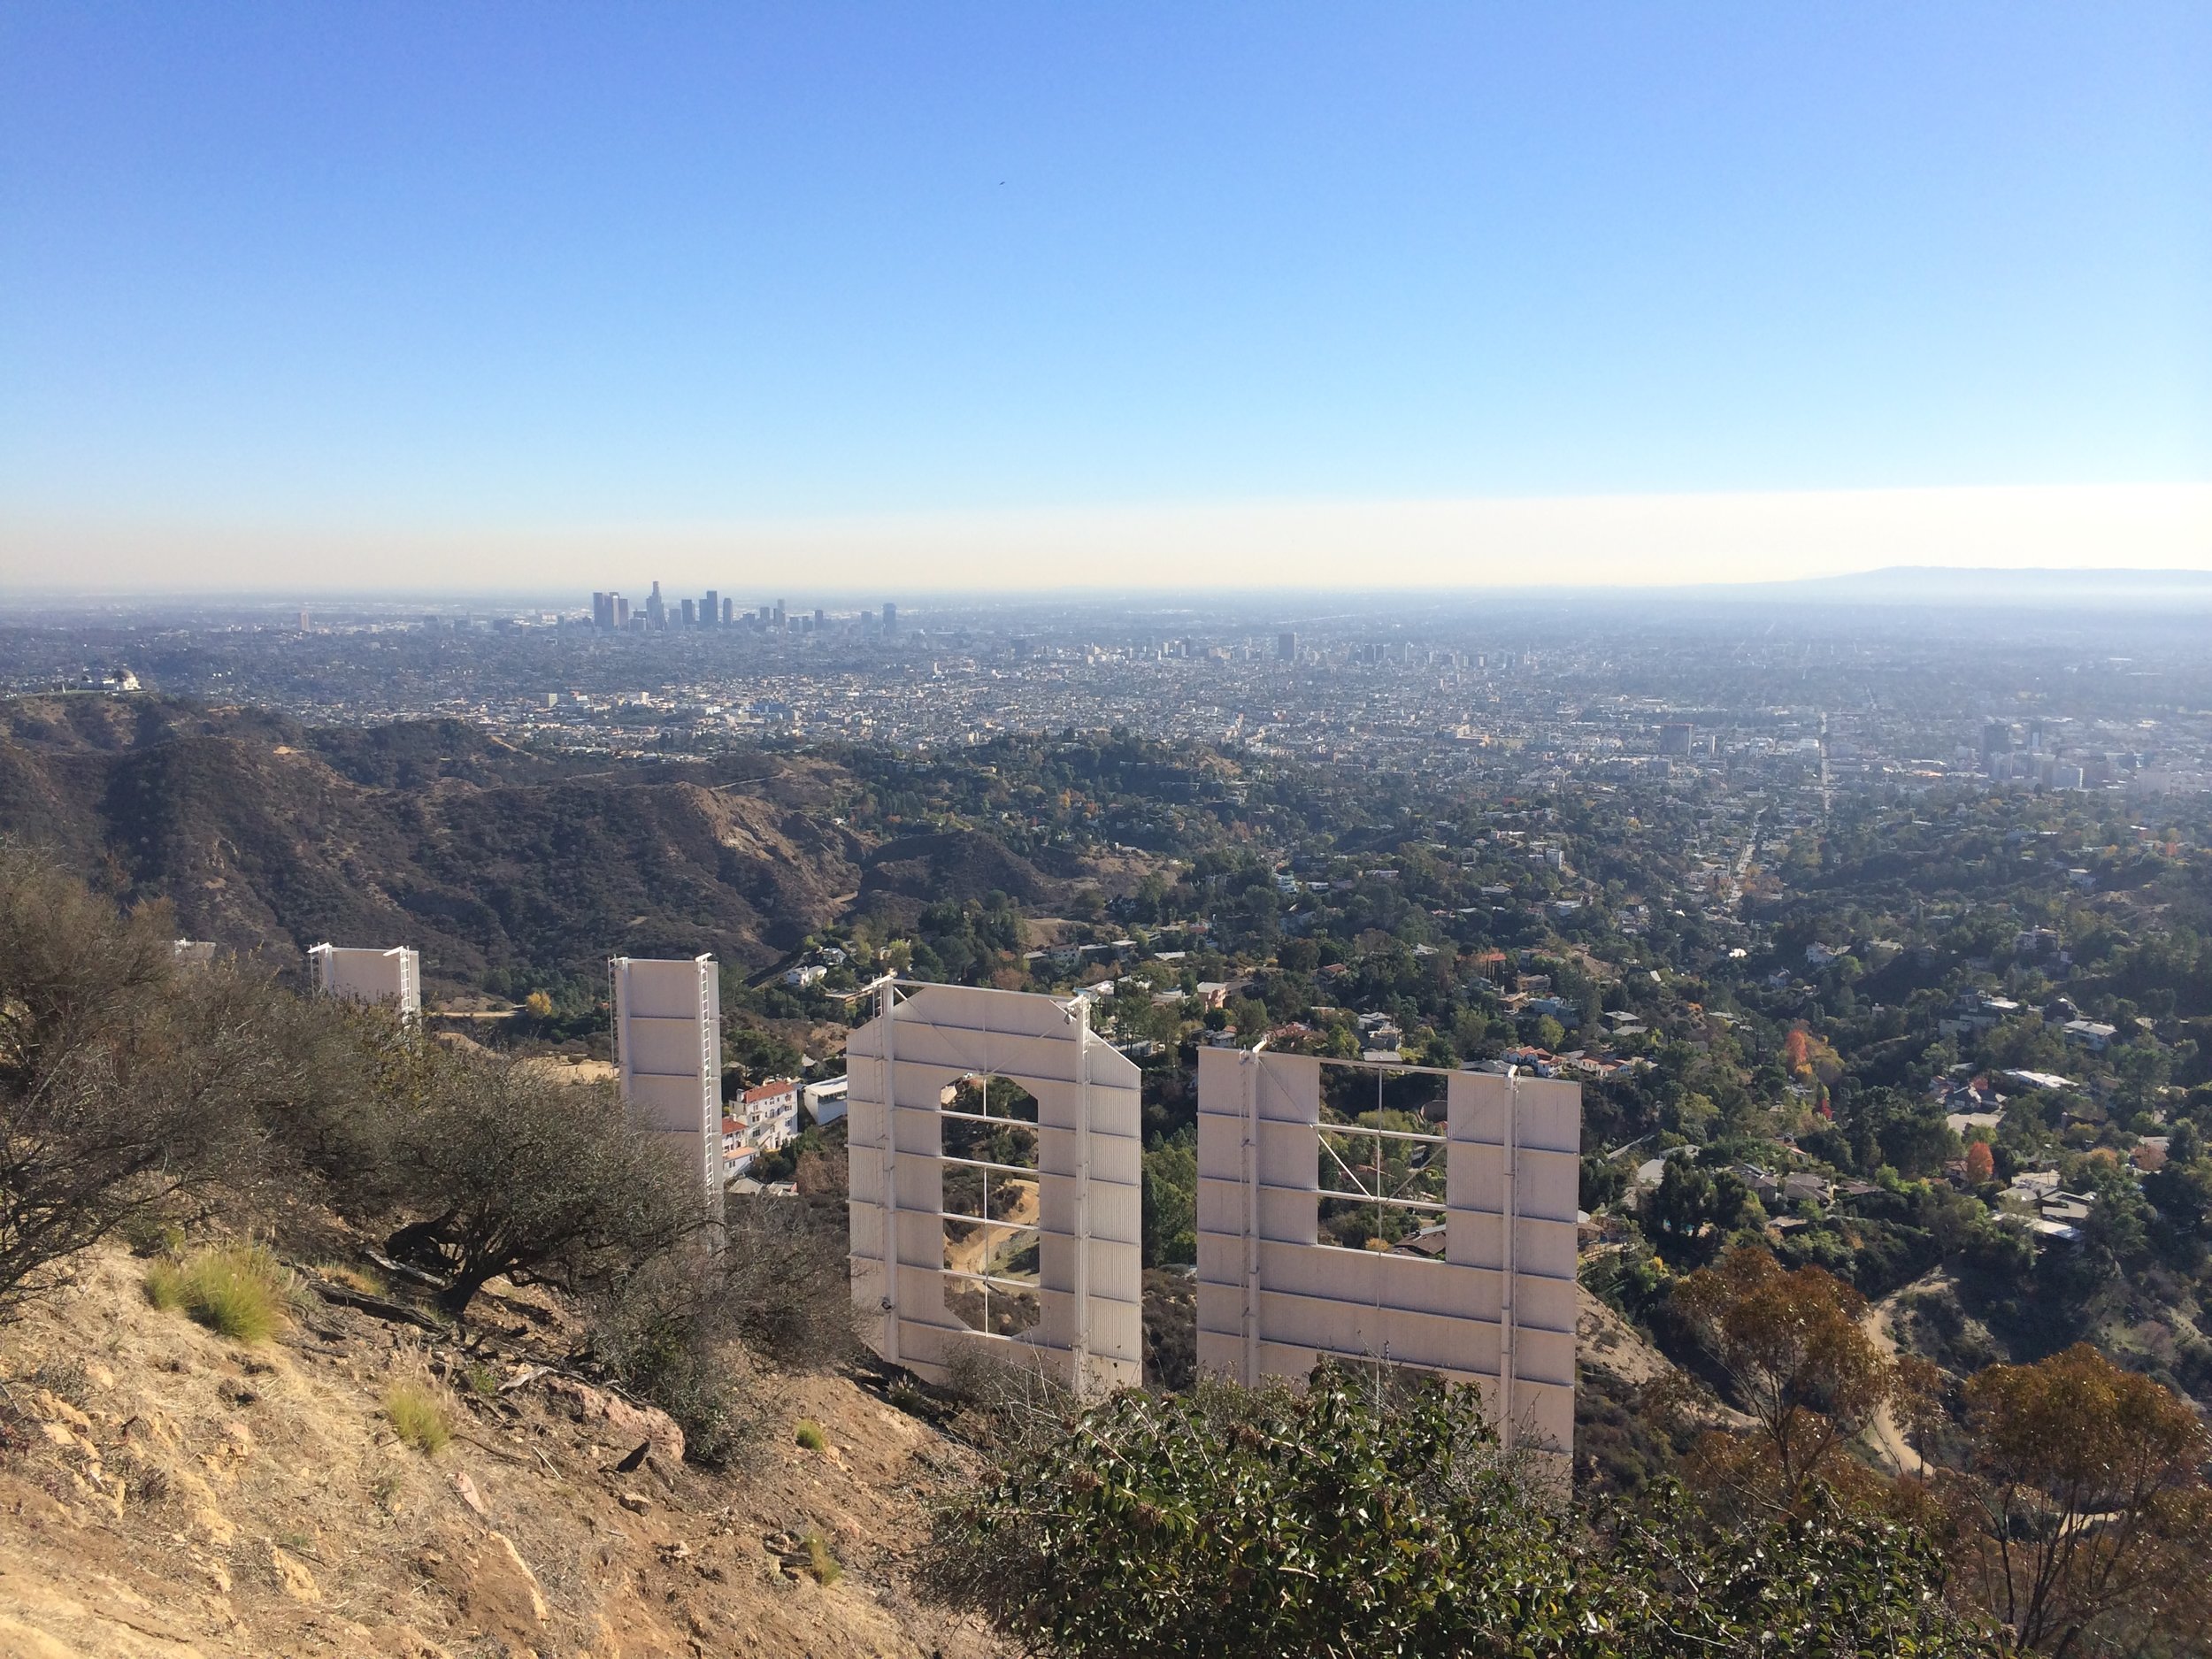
<point x="810" y="1435"/>
<point x="418" y="1415"/>
<point x="785" y="1278"/>
<point x="523" y="1174"/>
<point x="1358" y="1519"/>
<point x="820" y="1562"/>
<point x="662" y="1333"/>
<point x="904" y="1396"/>
<point x="239" y="1291"/>
<point x="143" y="1482"/>
<point x="124" y="1086"/>
<point x="1268" y="1522"/>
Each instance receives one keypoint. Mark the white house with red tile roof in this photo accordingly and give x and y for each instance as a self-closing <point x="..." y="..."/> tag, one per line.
<point x="760" y="1120"/>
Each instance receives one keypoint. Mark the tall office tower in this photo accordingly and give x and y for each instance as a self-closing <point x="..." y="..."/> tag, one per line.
<point x="1287" y="646"/>
<point x="781" y="623"/>
<point x="621" y="611"/>
<point x="821" y="621"/>
<point x="691" y="614"/>
<point x="1996" y="738"/>
<point x="890" y="617"/>
<point x="602" y="611"/>
<point x="711" y="611"/>
<point x="729" y="613"/>
<point x="1674" y="737"/>
<point x="655" y="610"/>
<point x="764" y="616"/>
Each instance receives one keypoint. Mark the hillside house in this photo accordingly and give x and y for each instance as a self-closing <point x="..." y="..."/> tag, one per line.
<point x="826" y="1100"/>
<point x="2092" y="1034"/>
<point x="764" y="1119"/>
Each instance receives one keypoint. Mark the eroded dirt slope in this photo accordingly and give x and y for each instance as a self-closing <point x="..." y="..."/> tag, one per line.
<point x="164" y="1492"/>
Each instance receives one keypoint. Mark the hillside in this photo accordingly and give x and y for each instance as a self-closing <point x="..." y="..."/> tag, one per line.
<point x="262" y="832"/>
<point x="265" y="833"/>
<point x="164" y="1491"/>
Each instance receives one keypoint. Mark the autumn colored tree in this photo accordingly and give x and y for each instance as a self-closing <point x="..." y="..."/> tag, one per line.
<point x="2084" y="1515"/>
<point x="1794" y="1348"/>
<point x="1810" y="1059"/>
<point x="1797" y="1052"/>
<point x="1981" y="1163"/>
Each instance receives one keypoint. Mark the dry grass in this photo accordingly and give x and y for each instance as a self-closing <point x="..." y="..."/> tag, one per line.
<point x="239" y="1291"/>
<point x="810" y="1435"/>
<point x="419" y="1415"/>
<point x="820" y="1562"/>
<point x="362" y="1280"/>
<point x="164" y="1286"/>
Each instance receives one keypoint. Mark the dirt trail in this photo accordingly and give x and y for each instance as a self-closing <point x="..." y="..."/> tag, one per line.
<point x="969" y="1255"/>
<point x="1888" y="1437"/>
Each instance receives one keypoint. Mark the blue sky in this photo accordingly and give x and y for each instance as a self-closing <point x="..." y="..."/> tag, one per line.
<point x="515" y="267"/>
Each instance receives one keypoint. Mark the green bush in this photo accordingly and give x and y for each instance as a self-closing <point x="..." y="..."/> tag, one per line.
<point x="810" y="1435"/>
<point x="1266" y="1523"/>
<point x="820" y="1562"/>
<point x="663" y="1333"/>
<point x="1364" y="1517"/>
<point x="239" y="1291"/>
<point x="519" y="1173"/>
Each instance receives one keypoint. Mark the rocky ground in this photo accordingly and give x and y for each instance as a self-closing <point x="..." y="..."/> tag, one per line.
<point x="166" y="1492"/>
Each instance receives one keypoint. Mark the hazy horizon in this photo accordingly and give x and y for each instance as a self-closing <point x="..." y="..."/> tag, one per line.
<point x="1622" y="541"/>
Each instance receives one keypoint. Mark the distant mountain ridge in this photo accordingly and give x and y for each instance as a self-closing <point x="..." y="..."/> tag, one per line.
<point x="2025" y="587"/>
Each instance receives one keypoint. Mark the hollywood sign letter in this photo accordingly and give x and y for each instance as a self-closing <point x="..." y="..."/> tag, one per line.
<point x="1440" y="1235"/>
<point x="994" y="1186"/>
